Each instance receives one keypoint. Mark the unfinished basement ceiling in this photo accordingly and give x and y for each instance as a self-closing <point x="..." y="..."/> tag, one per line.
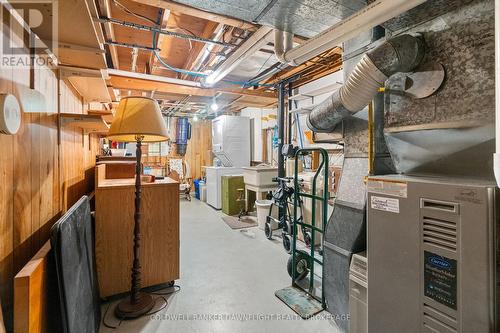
<point x="305" y="18"/>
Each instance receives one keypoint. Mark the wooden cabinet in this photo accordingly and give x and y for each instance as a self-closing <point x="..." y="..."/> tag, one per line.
<point x="159" y="251"/>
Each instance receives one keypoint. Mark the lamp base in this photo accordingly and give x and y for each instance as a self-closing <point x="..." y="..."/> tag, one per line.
<point x="128" y="310"/>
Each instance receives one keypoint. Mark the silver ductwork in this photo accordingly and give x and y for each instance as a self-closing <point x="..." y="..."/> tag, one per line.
<point x="399" y="54"/>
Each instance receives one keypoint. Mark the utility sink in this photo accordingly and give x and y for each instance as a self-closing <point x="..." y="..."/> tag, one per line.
<point x="260" y="176"/>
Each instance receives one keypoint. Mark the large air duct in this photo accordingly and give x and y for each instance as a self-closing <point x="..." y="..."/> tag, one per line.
<point x="367" y="18"/>
<point x="399" y="54"/>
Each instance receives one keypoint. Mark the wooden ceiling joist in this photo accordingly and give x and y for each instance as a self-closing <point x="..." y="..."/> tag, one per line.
<point x="133" y="83"/>
<point x="191" y="11"/>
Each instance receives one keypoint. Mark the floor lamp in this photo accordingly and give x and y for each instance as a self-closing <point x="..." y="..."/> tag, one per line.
<point x="138" y="119"/>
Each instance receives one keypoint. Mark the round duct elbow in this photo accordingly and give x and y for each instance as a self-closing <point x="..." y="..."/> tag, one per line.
<point x="400" y="54"/>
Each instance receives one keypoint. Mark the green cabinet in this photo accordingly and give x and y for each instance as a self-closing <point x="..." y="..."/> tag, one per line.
<point x="230" y="195"/>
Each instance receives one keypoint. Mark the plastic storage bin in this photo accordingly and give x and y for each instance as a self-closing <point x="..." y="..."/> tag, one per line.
<point x="196" y="183"/>
<point x="203" y="192"/>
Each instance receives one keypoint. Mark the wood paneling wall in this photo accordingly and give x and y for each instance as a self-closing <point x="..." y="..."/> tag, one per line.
<point x="40" y="175"/>
<point x="199" y="148"/>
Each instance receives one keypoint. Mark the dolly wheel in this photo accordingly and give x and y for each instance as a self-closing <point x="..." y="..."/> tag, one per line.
<point x="301" y="266"/>
<point x="287" y="243"/>
<point x="268" y="230"/>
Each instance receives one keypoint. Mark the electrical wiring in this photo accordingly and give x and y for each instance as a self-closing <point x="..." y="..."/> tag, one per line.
<point x="244" y="84"/>
<point x="177" y="70"/>
<point x="128" y="11"/>
<point x="106" y="324"/>
<point x="198" y="74"/>
<point x="176" y="288"/>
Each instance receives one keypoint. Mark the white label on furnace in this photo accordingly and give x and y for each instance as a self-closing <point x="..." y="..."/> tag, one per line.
<point x="385" y="204"/>
<point x="387" y="187"/>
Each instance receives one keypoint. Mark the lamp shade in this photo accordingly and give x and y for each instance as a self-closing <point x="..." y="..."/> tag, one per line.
<point x="138" y="116"/>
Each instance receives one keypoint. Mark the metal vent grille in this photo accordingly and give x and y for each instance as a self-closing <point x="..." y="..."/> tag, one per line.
<point x="437" y="321"/>
<point x="440" y="233"/>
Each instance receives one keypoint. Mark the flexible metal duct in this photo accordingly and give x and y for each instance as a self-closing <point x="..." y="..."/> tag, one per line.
<point x="399" y="54"/>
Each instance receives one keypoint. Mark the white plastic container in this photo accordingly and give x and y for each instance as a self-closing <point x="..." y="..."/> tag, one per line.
<point x="203" y="192"/>
<point x="118" y="152"/>
<point x="263" y="211"/>
<point x="260" y="176"/>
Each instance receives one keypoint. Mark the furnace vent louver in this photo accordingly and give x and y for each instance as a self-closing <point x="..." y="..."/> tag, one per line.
<point x="440" y="228"/>
<point x="440" y="233"/>
<point x="439" y="224"/>
<point x="435" y="320"/>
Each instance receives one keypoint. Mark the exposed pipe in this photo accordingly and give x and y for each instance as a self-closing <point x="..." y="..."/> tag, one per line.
<point x="131" y="46"/>
<point x="399" y="54"/>
<point x="254" y="43"/>
<point x="496" y="156"/>
<point x="367" y="18"/>
<point x="283" y="42"/>
<point x="161" y="31"/>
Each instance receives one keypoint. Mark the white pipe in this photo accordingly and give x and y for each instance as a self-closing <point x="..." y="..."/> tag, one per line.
<point x="247" y="49"/>
<point x="363" y="20"/>
<point x="283" y="42"/>
<point x="496" y="156"/>
<point x="157" y="78"/>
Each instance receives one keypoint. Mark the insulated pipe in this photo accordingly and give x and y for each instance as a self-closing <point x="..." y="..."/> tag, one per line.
<point x="399" y="54"/>
<point x="496" y="156"/>
<point x="367" y="18"/>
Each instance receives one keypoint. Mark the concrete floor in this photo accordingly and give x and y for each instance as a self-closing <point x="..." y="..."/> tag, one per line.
<point x="224" y="272"/>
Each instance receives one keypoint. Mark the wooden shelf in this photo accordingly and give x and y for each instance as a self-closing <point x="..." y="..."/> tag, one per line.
<point x="90" y="123"/>
<point x="80" y="39"/>
<point x="107" y="116"/>
<point x="89" y="83"/>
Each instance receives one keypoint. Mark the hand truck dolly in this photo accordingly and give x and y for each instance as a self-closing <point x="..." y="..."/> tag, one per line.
<point x="299" y="297"/>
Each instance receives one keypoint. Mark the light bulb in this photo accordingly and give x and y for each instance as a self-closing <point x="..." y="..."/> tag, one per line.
<point x="210" y="80"/>
<point x="214" y="106"/>
<point x="195" y="118"/>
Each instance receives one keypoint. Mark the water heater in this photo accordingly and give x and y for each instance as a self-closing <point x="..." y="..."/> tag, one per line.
<point x="183" y="135"/>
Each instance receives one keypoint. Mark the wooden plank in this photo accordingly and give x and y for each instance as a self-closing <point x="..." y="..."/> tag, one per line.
<point x="191" y="11"/>
<point x="30" y="182"/>
<point x="23" y="190"/>
<point x="6" y="207"/>
<point x="199" y="48"/>
<point x="201" y="141"/>
<point x="30" y="294"/>
<point x="126" y="83"/>
<point x="2" y="326"/>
